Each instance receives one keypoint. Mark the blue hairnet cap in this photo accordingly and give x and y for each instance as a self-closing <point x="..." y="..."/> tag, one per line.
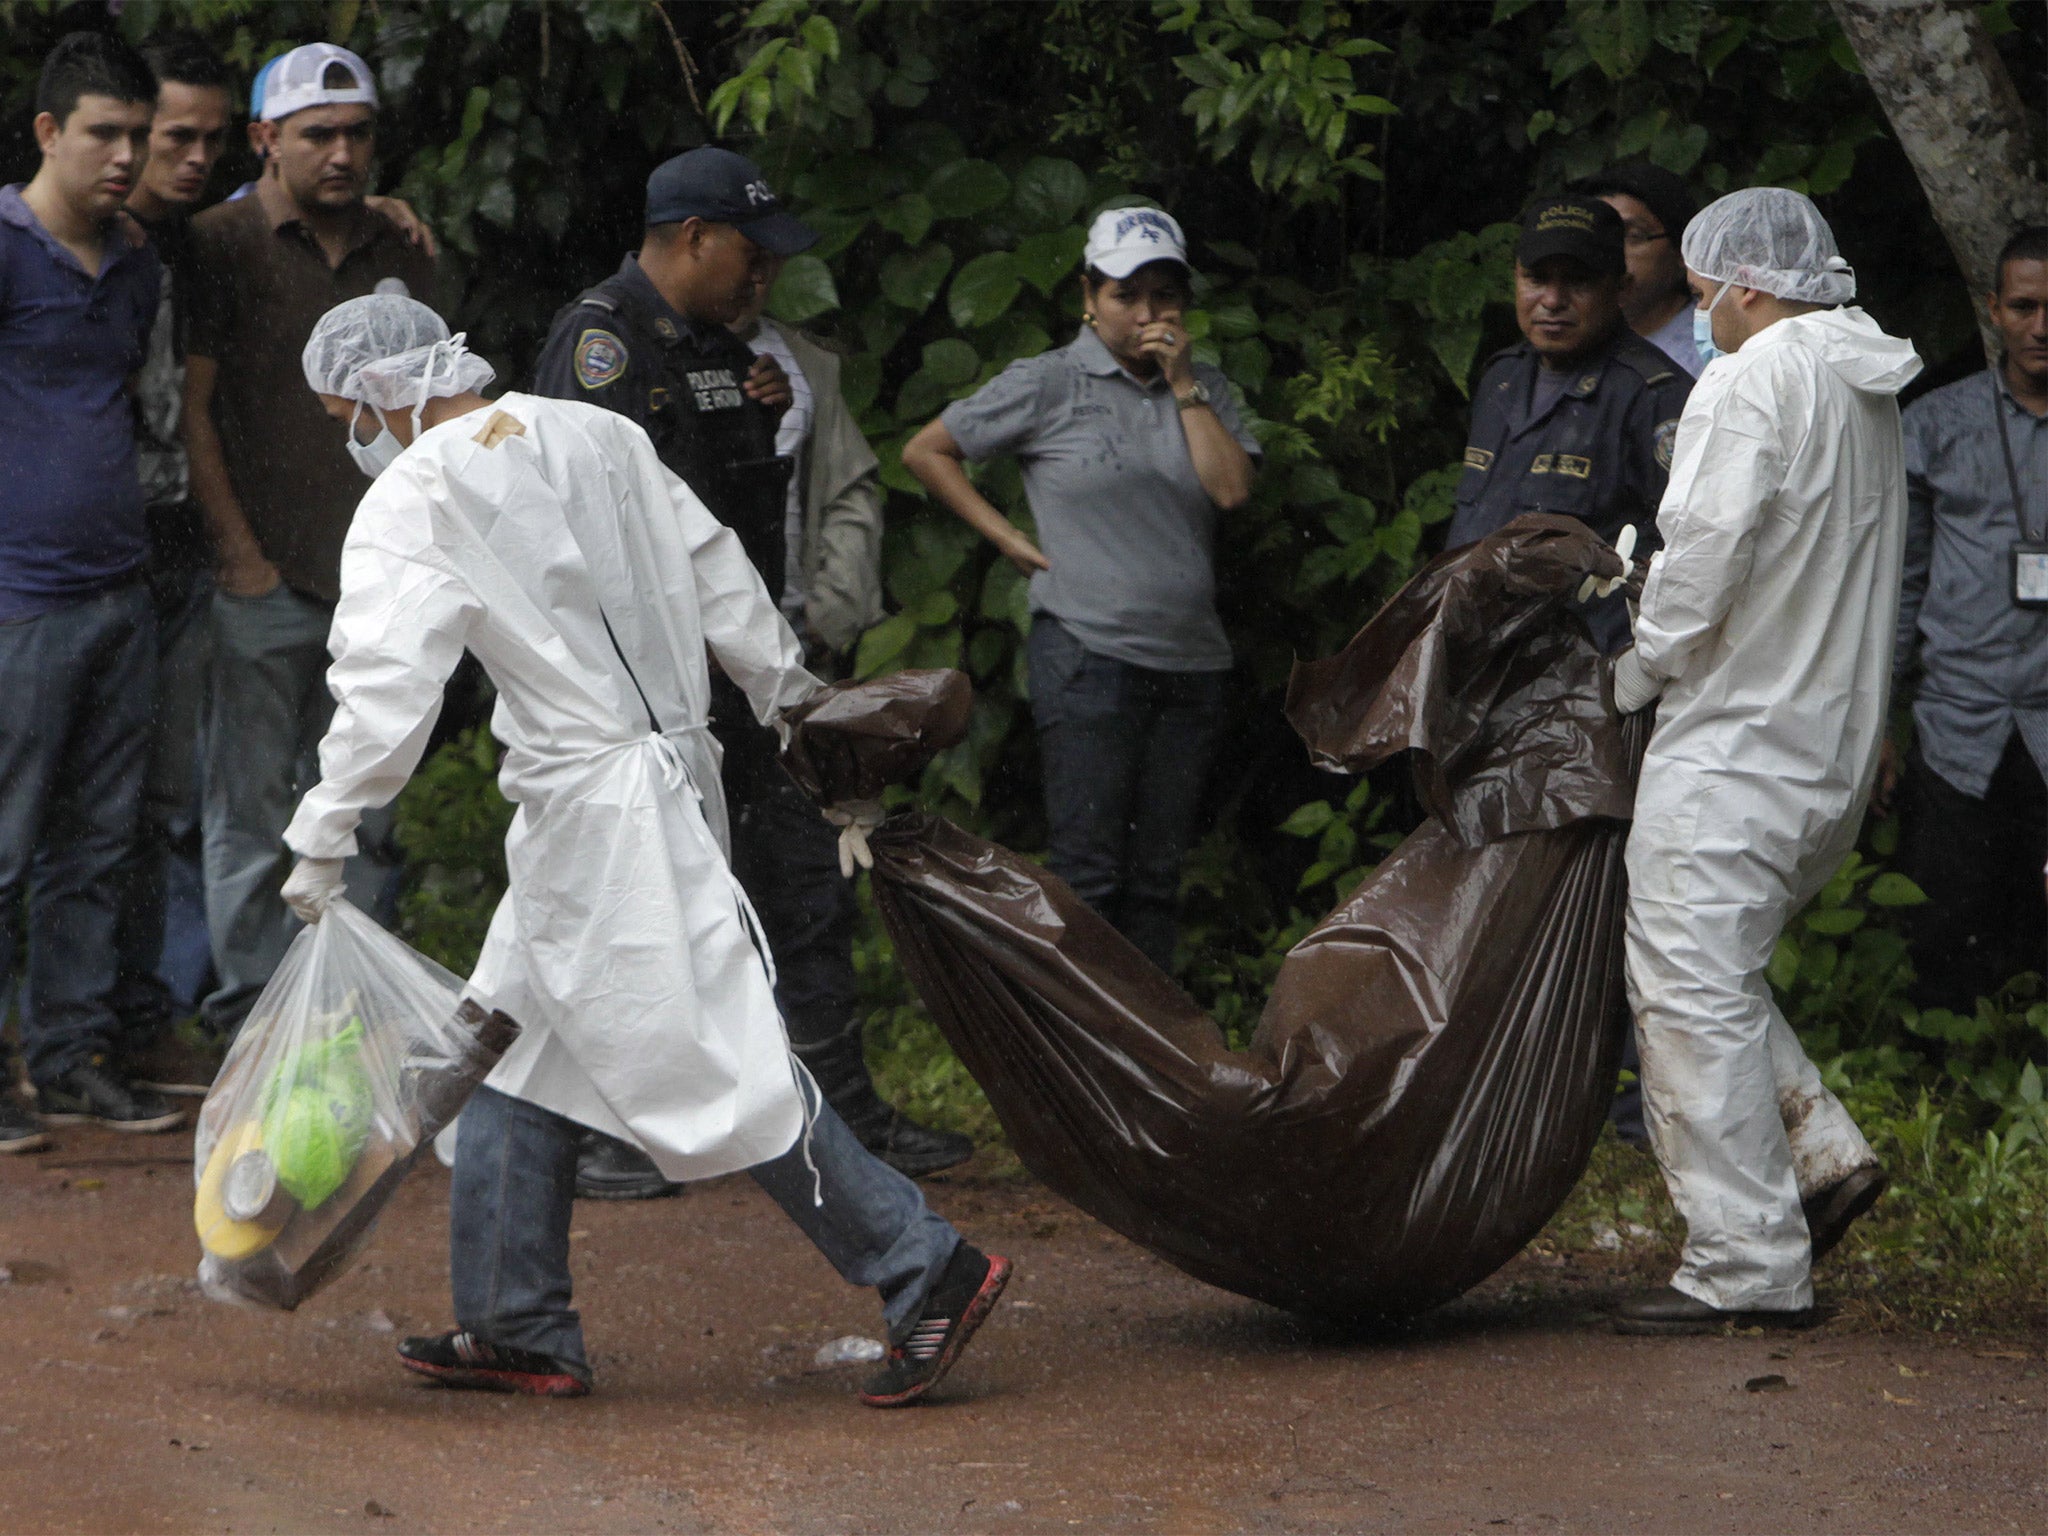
<point x="721" y="187"/>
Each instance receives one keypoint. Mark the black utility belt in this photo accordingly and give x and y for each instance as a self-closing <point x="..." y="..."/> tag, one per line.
<point x="2029" y="574"/>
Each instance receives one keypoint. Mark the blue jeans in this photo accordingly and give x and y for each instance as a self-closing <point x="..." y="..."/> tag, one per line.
<point x="167" y="830"/>
<point x="74" y="738"/>
<point x="1124" y="750"/>
<point x="268" y="707"/>
<point x="515" y="1189"/>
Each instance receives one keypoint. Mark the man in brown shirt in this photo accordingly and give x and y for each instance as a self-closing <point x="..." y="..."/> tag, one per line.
<point x="277" y="485"/>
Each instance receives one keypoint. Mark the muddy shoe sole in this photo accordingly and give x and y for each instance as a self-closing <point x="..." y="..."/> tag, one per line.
<point x="1777" y="1322"/>
<point x="1830" y="1213"/>
<point x="460" y="1359"/>
<point x="877" y="1395"/>
<point x="1671" y="1311"/>
<point x="524" y="1383"/>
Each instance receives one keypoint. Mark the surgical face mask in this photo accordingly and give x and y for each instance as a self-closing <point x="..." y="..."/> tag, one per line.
<point x="1703" y="328"/>
<point x="378" y="454"/>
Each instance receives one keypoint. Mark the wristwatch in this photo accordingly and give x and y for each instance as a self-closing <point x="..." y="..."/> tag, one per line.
<point x="1198" y="394"/>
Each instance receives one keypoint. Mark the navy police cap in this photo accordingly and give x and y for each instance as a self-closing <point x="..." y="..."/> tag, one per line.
<point x="721" y="187"/>
<point x="1582" y="228"/>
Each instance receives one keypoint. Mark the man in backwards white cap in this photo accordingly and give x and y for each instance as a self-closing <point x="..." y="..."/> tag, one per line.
<point x="278" y="492"/>
<point x="546" y="537"/>
<point x="1765" y="629"/>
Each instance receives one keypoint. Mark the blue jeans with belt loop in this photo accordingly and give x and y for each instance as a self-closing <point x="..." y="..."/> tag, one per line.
<point x="514" y="1193"/>
<point x="74" y="741"/>
<point x="268" y="706"/>
<point x="1125" y="750"/>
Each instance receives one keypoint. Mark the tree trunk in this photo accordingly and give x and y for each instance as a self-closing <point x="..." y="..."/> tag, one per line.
<point x="1960" y="121"/>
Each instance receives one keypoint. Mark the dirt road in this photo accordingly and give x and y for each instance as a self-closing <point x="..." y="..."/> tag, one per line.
<point x="1109" y="1393"/>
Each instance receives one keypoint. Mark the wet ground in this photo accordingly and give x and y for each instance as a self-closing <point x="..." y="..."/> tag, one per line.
<point x="1108" y="1393"/>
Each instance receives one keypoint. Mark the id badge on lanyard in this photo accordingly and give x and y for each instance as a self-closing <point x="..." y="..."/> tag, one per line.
<point x="2029" y="575"/>
<point x="2029" y="556"/>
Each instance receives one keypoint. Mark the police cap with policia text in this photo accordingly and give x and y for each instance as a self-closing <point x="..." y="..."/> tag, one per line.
<point x="721" y="187"/>
<point x="1582" y="229"/>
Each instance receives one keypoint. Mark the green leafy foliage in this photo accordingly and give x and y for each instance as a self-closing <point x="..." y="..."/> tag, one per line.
<point x="451" y="827"/>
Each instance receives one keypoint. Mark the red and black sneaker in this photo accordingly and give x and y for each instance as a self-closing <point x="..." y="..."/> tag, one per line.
<point x="461" y="1359"/>
<point x="959" y="1303"/>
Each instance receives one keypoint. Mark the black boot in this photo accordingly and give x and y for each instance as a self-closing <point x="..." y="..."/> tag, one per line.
<point x="914" y="1150"/>
<point x="608" y="1169"/>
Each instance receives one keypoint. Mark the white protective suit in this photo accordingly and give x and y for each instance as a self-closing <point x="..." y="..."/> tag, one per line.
<point x="624" y="946"/>
<point x="1768" y="619"/>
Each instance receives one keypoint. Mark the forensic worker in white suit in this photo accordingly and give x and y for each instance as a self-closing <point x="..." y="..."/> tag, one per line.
<point x="546" y="537"/>
<point x="1764" y="638"/>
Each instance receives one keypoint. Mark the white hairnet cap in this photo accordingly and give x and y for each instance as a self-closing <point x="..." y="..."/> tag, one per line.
<point x="389" y="351"/>
<point x="1770" y="239"/>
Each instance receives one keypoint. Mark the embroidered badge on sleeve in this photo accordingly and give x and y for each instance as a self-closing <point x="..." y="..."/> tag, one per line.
<point x="1667" y="435"/>
<point x="600" y="359"/>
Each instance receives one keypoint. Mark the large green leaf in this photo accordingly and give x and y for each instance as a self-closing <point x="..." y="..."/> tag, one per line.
<point x="952" y="361"/>
<point x="804" y="291"/>
<point x="909" y="217"/>
<point x="921" y="396"/>
<point x="881" y="646"/>
<point x="965" y="188"/>
<point x="1892" y="889"/>
<point x="1044" y="260"/>
<point x="984" y="288"/>
<point x="1048" y="194"/>
<point x="911" y="279"/>
<point x="1616" y="33"/>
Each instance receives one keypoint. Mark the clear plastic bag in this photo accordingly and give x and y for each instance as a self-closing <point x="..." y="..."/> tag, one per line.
<point x="358" y="1052"/>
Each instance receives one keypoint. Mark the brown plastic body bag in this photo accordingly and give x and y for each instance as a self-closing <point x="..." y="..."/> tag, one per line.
<point x="1436" y="1058"/>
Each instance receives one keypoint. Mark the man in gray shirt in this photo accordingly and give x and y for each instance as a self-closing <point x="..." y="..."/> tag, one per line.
<point x="1973" y="809"/>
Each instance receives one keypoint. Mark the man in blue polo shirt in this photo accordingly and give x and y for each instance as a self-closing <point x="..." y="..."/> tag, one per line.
<point x="78" y="292"/>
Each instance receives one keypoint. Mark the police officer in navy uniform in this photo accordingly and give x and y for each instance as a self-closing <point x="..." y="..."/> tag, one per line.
<point x="652" y="343"/>
<point x="1580" y="417"/>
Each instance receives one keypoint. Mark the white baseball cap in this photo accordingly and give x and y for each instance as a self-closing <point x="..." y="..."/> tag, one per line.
<point x="1121" y="240"/>
<point x="312" y="76"/>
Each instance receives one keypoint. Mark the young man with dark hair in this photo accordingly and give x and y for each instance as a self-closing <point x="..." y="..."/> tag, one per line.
<point x="78" y="292"/>
<point x="1973" y="807"/>
<point x="277" y="487"/>
<point x="193" y="111"/>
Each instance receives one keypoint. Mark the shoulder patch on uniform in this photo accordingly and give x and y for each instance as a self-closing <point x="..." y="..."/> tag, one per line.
<point x="1666" y="437"/>
<point x="1480" y="459"/>
<point x="600" y="359"/>
<point x="498" y="428"/>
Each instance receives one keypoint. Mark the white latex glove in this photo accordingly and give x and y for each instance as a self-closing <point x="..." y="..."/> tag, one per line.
<point x="1635" y="685"/>
<point x="855" y="819"/>
<point x="312" y="886"/>
<point x="1600" y="586"/>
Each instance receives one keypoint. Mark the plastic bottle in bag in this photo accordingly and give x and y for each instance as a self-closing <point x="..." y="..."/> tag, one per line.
<point x="357" y="1053"/>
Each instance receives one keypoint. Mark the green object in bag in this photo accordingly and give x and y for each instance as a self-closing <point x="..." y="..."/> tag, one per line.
<point x="316" y="1119"/>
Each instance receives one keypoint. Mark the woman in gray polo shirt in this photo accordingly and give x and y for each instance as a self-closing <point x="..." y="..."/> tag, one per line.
<point x="1129" y="449"/>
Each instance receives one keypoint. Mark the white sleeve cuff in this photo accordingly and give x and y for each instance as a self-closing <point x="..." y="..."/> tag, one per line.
<point x="1635" y="685"/>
